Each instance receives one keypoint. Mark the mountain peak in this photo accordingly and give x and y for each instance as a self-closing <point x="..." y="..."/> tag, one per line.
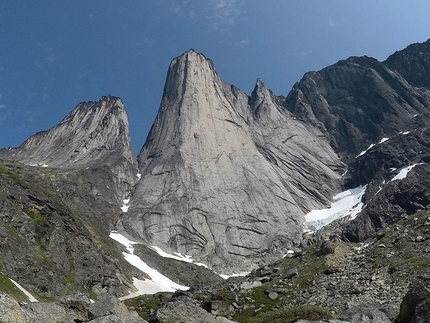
<point x="190" y="68"/>
<point x="86" y="135"/>
<point x="211" y="185"/>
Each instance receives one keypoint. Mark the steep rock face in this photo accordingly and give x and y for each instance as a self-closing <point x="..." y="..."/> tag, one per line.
<point x="53" y="233"/>
<point x="388" y="199"/>
<point x="357" y="102"/>
<point x="225" y="177"/>
<point x="92" y="135"/>
<point x="413" y="63"/>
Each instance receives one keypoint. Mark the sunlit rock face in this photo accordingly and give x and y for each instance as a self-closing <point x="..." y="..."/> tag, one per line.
<point x="226" y="177"/>
<point x="94" y="134"/>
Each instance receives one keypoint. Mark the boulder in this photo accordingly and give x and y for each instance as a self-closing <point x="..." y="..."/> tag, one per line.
<point x="118" y="319"/>
<point x="183" y="310"/>
<point x="107" y="304"/>
<point x="422" y="312"/>
<point x="327" y="247"/>
<point x="11" y="312"/>
<point x="416" y="294"/>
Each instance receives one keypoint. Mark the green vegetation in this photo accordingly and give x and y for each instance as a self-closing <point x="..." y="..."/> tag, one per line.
<point x="36" y="216"/>
<point x="43" y="297"/>
<point x="70" y="281"/>
<point x="287" y="315"/>
<point x="145" y="304"/>
<point x="407" y="256"/>
<point x="2" y="167"/>
<point x="8" y="287"/>
<point x="92" y="295"/>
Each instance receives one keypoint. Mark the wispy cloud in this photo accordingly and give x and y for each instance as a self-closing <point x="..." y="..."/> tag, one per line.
<point x="332" y="22"/>
<point x="224" y="12"/>
<point x="49" y="51"/>
<point x="185" y="9"/>
<point x="220" y="13"/>
<point x="242" y="43"/>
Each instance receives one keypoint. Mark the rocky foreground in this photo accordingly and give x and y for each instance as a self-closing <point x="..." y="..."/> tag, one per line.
<point x="386" y="280"/>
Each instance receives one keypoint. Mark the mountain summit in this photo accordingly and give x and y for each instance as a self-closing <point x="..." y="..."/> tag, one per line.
<point x="227" y="178"/>
<point x="92" y="135"/>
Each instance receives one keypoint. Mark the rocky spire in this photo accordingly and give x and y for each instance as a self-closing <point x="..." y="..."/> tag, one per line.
<point x="211" y="186"/>
<point x="93" y="134"/>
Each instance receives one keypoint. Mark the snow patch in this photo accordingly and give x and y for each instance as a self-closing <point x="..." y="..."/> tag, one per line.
<point x="242" y="274"/>
<point x="383" y="140"/>
<point x="404" y="132"/>
<point x="31" y="298"/>
<point x="346" y="203"/>
<point x="361" y="247"/>
<point x="365" y="151"/>
<point x="139" y="176"/>
<point x="177" y="256"/>
<point x="371" y="146"/>
<point x="125" y="207"/>
<point x="157" y="283"/>
<point x="404" y="172"/>
<point x="288" y="253"/>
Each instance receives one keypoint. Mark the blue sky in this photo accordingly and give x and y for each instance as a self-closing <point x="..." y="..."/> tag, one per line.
<point x="57" y="53"/>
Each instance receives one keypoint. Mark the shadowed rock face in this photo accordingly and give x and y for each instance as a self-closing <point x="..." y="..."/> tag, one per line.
<point x="358" y="101"/>
<point x="227" y="177"/>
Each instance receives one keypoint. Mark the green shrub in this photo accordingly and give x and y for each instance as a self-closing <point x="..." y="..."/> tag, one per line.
<point x="8" y="287"/>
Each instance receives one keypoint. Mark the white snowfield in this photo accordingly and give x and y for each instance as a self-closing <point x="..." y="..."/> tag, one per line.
<point x="404" y="172"/>
<point x="346" y="203"/>
<point x="178" y="256"/>
<point x="31" y="298"/>
<point x="157" y="283"/>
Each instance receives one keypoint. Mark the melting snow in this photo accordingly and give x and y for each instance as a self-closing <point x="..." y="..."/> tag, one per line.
<point x="157" y="283"/>
<point x="125" y="207"/>
<point x="31" y="298"/>
<point x="189" y="259"/>
<point x="371" y="146"/>
<point x="383" y="140"/>
<point x="178" y="256"/>
<point x="242" y="274"/>
<point x="346" y="203"/>
<point x="365" y="151"/>
<point x="288" y="253"/>
<point x="404" y="172"/>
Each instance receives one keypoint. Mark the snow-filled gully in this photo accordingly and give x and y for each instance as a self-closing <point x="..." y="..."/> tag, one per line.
<point x="346" y="203"/>
<point x="156" y="283"/>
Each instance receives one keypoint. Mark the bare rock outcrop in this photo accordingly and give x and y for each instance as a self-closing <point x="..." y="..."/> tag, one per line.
<point x="357" y="102"/>
<point x="94" y="134"/>
<point x="227" y="178"/>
